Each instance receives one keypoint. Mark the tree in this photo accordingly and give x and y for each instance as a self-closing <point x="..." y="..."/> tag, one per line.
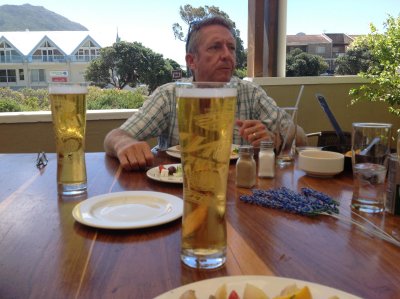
<point x="129" y="64"/>
<point x="357" y="59"/>
<point x="191" y="14"/>
<point x="299" y="63"/>
<point x="384" y="71"/>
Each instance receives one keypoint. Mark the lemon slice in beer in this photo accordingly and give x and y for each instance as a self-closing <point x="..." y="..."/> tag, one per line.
<point x="72" y="144"/>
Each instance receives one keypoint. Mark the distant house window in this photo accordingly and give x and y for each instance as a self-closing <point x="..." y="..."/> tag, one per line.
<point x="5" y="52"/>
<point x="87" y="52"/>
<point x="320" y="50"/>
<point x="8" y="76"/>
<point x="48" y="53"/>
<point x="335" y="49"/>
<point x="38" y="75"/>
<point x="21" y="75"/>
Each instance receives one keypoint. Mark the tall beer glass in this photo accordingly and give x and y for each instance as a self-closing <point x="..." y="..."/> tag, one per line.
<point x="68" y="109"/>
<point x="206" y="114"/>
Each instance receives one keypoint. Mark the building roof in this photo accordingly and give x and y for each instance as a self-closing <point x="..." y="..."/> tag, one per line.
<point x="303" y="39"/>
<point x="340" y="38"/>
<point x="27" y="41"/>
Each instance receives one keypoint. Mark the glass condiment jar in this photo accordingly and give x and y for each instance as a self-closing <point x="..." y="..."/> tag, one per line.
<point x="246" y="169"/>
<point x="266" y="160"/>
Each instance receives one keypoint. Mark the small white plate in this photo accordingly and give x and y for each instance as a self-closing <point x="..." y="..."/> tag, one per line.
<point x="271" y="285"/>
<point x="154" y="174"/>
<point x="174" y="151"/>
<point x="129" y="209"/>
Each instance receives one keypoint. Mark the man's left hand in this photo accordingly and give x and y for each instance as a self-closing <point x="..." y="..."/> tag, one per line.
<point x="254" y="131"/>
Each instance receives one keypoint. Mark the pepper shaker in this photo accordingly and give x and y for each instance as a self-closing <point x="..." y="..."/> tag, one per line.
<point x="246" y="169"/>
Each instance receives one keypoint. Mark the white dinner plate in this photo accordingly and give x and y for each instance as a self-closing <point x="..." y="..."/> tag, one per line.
<point x="128" y="210"/>
<point x="154" y="174"/>
<point x="271" y="285"/>
<point x="173" y="151"/>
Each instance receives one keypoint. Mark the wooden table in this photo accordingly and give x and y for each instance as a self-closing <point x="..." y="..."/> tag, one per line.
<point x="44" y="253"/>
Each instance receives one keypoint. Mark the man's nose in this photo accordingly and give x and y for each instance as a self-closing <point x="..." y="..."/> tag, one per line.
<point x="228" y="53"/>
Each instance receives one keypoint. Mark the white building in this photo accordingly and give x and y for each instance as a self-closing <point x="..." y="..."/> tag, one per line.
<point x="34" y="58"/>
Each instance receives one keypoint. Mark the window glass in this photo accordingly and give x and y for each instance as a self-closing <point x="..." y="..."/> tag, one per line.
<point x="38" y="75"/>
<point x="21" y="75"/>
<point x="12" y="75"/>
<point x="8" y="75"/>
<point x="320" y="50"/>
<point x="3" y="75"/>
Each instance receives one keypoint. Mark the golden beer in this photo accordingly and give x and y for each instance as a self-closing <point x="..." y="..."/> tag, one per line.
<point x="68" y="108"/>
<point x="206" y="120"/>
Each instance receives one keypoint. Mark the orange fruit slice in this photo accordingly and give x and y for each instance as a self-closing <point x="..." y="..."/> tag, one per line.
<point x="303" y="293"/>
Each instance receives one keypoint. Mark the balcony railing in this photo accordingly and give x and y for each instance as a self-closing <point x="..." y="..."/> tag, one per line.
<point x="11" y="59"/>
<point x="61" y="58"/>
<point x="31" y="131"/>
<point x="83" y="58"/>
<point x="43" y="58"/>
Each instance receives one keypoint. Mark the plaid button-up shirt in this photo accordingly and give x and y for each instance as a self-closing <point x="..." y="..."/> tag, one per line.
<point x="157" y="117"/>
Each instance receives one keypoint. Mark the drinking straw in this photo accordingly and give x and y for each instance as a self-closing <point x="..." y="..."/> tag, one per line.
<point x="293" y="114"/>
<point x="299" y="96"/>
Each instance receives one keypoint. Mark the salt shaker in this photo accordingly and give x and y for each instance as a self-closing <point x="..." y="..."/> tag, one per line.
<point x="246" y="170"/>
<point x="266" y="160"/>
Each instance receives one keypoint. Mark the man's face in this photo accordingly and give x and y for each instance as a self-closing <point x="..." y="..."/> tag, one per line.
<point x="216" y="57"/>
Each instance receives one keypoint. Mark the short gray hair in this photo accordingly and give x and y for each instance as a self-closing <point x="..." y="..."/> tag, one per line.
<point x="193" y="37"/>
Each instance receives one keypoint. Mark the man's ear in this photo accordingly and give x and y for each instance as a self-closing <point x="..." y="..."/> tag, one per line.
<point x="190" y="61"/>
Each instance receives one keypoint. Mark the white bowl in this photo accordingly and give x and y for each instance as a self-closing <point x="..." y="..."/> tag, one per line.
<point x="321" y="163"/>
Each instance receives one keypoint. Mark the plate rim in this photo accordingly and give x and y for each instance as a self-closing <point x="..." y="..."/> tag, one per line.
<point x="235" y="279"/>
<point x="171" y="151"/>
<point x="164" y="180"/>
<point x="318" y="174"/>
<point x="175" y="201"/>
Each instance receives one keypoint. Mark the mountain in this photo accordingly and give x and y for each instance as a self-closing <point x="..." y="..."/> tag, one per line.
<point x="34" y="18"/>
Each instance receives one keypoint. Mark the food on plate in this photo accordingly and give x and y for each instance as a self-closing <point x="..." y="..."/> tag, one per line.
<point x="221" y="292"/>
<point x="349" y="153"/>
<point x="171" y="170"/>
<point x="253" y="292"/>
<point x="235" y="151"/>
<point x="189" y="294"/>
<point x="250" y="292"/>
<point x="293" y="292"/>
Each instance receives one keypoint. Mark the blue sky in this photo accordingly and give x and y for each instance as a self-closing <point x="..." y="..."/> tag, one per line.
<point x="150" y="22"/>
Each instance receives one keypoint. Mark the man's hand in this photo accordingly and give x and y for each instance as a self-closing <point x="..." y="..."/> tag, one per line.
<point x="131" y="153"/>
<point x="254" y="131"/>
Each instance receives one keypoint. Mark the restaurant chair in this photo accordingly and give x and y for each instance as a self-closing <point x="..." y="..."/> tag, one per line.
<point x="326" y="138"/>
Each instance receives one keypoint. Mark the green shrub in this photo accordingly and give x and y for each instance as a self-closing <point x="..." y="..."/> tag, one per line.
<point x="9" y="105"/>
<point x="114" y="99"/>
<point x="38" y="99"/>
<point x="28" y="99"/>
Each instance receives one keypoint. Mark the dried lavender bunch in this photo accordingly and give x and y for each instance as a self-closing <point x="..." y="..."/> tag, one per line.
<point x="308" y="202"/>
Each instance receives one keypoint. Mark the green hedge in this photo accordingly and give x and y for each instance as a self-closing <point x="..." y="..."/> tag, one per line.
<point x="28" y="99"/>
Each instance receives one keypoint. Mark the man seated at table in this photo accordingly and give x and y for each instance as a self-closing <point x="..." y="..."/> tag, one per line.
<point x="211" y="57"/>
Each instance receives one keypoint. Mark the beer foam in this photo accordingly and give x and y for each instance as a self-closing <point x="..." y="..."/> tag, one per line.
<point x="68" y="89"/>
<point x="206" y="92"/>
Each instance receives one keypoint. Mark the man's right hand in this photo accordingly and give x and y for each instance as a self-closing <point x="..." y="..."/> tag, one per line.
<point x="132" y="154"/>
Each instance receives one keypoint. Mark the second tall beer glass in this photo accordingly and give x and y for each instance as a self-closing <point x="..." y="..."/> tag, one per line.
<point x="206" y="114"/>
<point x="68" y="109"/>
